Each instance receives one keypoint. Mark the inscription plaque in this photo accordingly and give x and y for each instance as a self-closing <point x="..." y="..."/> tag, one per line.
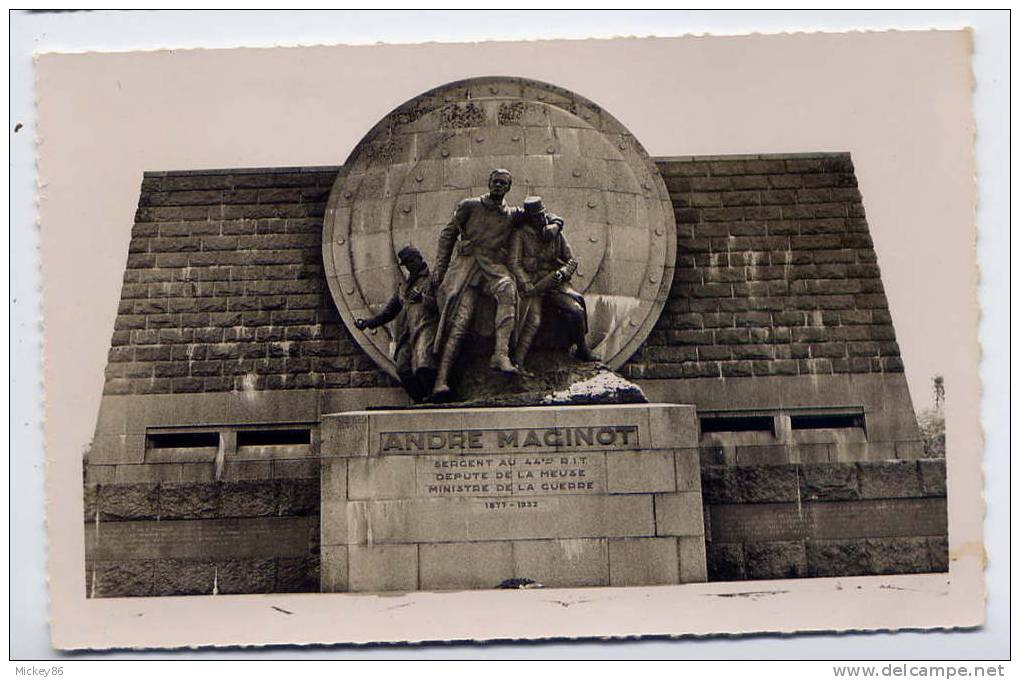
<point x="523" y="474"/>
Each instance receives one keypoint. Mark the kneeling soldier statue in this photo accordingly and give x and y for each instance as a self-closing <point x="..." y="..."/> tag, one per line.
<point x="416" y="327"/>
<point x="543" y="264"/>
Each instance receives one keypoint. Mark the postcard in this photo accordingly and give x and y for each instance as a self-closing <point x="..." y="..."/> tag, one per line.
<point x="511" y="340"/>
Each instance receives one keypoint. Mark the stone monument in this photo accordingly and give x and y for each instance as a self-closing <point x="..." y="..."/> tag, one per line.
<point x="263" y="426"/>
<point x="558" y="495"/>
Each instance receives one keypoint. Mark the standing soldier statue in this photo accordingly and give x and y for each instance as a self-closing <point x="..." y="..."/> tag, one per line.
<point x="471" y="261"/>
<point x="416" y="327"/>
<point x="543" y="264"/>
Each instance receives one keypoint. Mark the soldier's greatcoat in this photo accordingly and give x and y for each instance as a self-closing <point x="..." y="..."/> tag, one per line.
<point x="415" y="328"/>
<point x="533" y="258"/>
<point x="473" y="244"/>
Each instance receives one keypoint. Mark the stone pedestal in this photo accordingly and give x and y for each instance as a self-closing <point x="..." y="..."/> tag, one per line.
<point x="457" y="499"/>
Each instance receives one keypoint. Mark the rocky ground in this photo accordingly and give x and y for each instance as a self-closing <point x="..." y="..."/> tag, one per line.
<point x="551" y="378"/>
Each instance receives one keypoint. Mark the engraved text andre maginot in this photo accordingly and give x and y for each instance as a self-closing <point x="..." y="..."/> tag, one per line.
<point x="611" y="436"/>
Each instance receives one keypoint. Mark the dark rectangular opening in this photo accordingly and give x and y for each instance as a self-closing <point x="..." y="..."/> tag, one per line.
<point x="274" y="437"/>
<point x="183" y="440"/>
<point x="827" y="421"/>
<point x="738" y="424"/>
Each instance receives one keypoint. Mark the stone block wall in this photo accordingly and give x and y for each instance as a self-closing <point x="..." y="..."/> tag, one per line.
<point x="224" y="288"/>
<point x="825" y="519"/>
<point x="776" y="273"/>
<point x="202" y="537"/>
<point x="227" y="504"/>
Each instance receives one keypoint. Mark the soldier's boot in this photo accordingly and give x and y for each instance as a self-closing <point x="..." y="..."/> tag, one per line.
<point x="584" y="354"/>
<point x="411" y="385"/>
<point x="581" y="351"/>
<point x="441" y="388"/>
<point x="425" y="376"/>
<point x="459" y="325"/>
<point x="506" y="310"/>
<point x="527" y="337"/>
<point x="500" y="356"/>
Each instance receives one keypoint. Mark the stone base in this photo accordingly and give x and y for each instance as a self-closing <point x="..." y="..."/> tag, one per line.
<point x="459" y="499"/>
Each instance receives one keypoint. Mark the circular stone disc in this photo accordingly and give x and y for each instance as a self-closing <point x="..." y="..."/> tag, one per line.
<point x="402" y="182"/>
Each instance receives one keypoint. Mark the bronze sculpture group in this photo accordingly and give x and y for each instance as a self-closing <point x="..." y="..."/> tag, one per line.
<point x="517" y="257"/>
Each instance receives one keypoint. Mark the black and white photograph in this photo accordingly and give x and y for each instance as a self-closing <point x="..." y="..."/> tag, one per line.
<point x="534" y="339"/>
